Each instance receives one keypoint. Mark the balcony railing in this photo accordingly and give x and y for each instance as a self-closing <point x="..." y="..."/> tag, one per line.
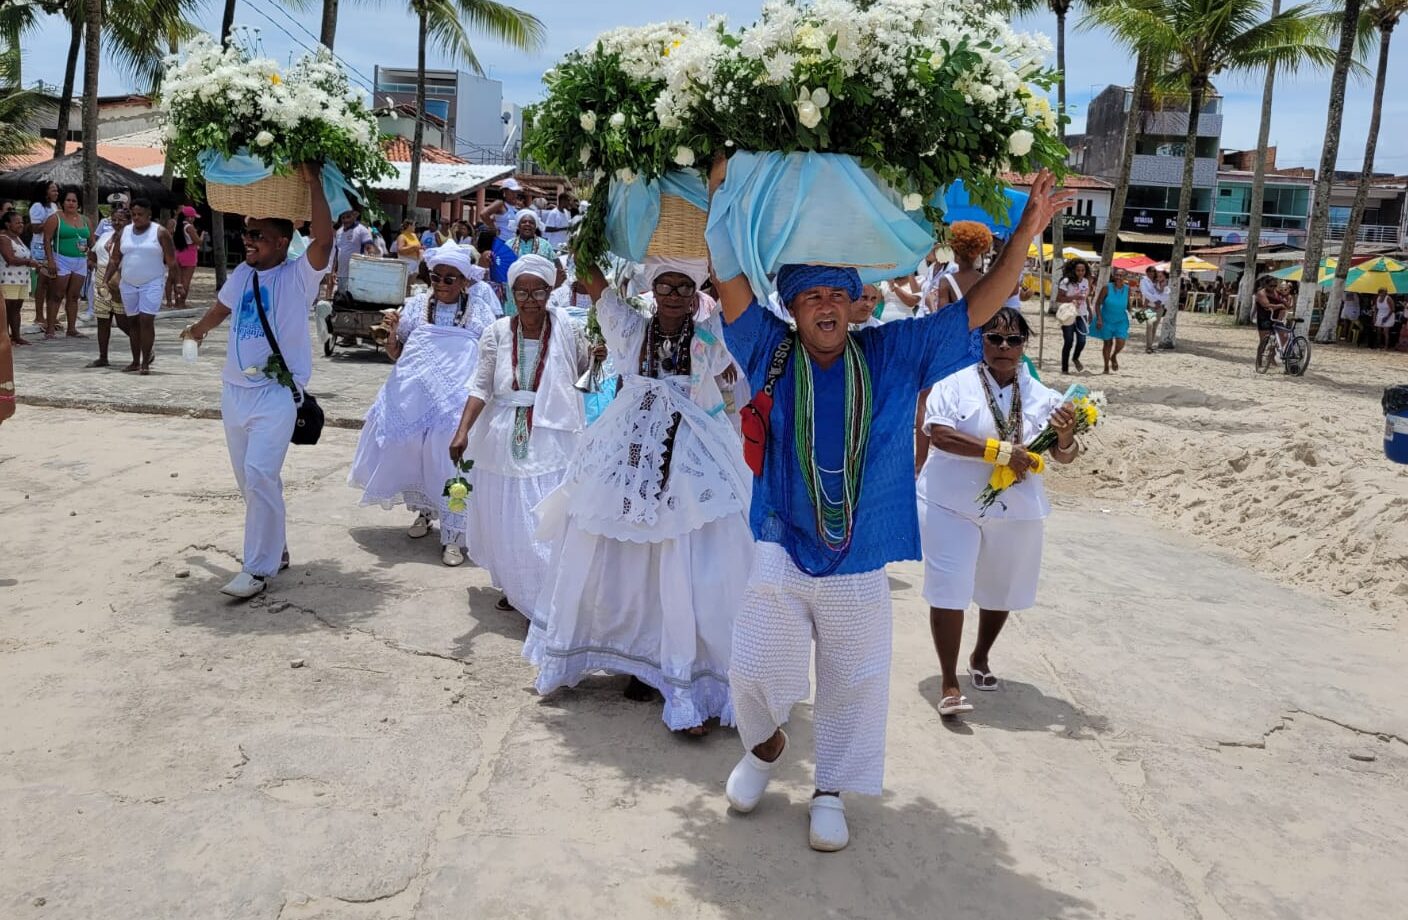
<point x="1368" y="233"/>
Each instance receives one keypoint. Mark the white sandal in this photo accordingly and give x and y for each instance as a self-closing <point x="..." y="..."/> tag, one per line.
<point x="829" y="832"/>
<point x="953" y="704"/>
<point x="452" y="555"/>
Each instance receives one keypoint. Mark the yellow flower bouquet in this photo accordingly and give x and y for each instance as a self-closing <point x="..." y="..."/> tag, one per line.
<point x="1087" y="411"/>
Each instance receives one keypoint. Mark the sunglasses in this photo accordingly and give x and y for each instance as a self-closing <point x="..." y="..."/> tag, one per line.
<point x="255" y="235"/>
<point x="997" y="340"/>
<point x="665" y="289"/>
<point x="533" y="296"/>
<point x="436" y="278"/>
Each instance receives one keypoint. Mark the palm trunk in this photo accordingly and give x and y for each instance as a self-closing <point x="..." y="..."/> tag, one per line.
<point x="66" y="98"/>
<point x="1131" y="136"/>
<point x="1058" y="230"/>
<point x="1245" y="288"/>
<point x="168" y="170"/>
<point x="1196" y="84"/>
<point x="218" y="253"/>
<point x="92" y="48"/>
<point x="413" y="190"/>
<point x="1320" y="211"/>
<point x="1331" y="320"/>
<point x="329" y="23"/>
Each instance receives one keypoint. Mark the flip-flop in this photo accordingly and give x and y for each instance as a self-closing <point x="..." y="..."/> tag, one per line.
<point x="503" y="604"/>
<point x="953" y="705"/>
<point x="982" y="680"/>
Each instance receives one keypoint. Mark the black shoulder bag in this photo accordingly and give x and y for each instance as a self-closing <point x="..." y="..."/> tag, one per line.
<point x="308" y="427"/>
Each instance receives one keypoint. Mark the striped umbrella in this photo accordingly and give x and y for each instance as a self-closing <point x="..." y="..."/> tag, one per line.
<point x="1293" y="272"/>
<point x="1365" y="281"/>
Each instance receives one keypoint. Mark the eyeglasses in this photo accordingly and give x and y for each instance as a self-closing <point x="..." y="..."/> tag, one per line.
<point x="445" y="279"/>
<point x="534" y="296"/>
<point x="997" y="340"/>
<point x="254" y="234"/>
<point x="665" y="289"/>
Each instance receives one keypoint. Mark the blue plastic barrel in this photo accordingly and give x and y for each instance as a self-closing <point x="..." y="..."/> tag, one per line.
<point x="1396" y="423"/>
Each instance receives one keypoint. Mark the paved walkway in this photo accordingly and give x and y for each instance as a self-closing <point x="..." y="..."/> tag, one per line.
<point x="1176" y="737"/>
<point x="51" y="373"/>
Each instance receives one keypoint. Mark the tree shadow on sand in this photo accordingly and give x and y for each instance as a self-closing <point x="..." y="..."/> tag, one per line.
<point x="1018" y="707"/>
<point x="312" y="595"/>
<point x="906" y="859"/>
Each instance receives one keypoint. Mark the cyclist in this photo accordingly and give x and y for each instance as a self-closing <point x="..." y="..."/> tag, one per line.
<point x="1270" y="309"/>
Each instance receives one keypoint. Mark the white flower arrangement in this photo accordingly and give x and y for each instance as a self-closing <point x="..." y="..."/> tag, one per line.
<point x="224" y="99"/>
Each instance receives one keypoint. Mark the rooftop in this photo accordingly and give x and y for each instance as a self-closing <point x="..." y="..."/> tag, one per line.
<point x="1074" y="180"/>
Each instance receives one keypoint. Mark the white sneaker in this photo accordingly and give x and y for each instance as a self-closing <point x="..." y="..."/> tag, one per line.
<point x="829" y="832"/>
<point x="420" y="528"/>
<point x="244" y="586"/>
<point x="452" y="556"/>
<point x="749" y="780"/>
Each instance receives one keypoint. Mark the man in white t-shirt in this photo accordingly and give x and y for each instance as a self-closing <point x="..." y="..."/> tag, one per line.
<point x="557" y="222"/>
<point x="352" y="238"/>
<point x="259" y="412"/>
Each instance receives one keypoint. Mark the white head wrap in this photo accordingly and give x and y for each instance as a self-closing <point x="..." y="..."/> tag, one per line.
<point x="450" y="257"/>
<point x="527" y="214"/>
<point x="696" y="270"/>
<point x="536" y="266"/>
<point x="476" y="271"/>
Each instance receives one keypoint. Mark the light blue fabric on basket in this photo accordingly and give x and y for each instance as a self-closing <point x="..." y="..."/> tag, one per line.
<point x="811" y="208"/>
<point x="633" y="209"/>
<point x="958" y="207"/>
<point x="244" y="169"/>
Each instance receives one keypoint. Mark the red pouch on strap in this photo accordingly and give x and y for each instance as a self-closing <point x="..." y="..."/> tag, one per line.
<point x="754" y="418"/>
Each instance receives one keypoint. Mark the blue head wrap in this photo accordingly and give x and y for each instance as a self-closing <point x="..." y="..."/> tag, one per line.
<point x="794" y="279"/>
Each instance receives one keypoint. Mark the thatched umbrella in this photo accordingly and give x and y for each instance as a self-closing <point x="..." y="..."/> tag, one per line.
<point x="68" y="170"/>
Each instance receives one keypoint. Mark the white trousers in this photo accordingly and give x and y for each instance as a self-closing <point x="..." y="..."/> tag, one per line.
<point x="991" y="561"/>
<point x="258" y="423"/>
<point x="849" y="618"/>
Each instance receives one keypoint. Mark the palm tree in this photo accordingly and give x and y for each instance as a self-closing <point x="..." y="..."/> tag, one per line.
<point x="329" y="30"/>
<point x="1380" y="15"/>
<point x="1263" y="138"/>
<point x="75" y="40"/>
<point x="1329" y="153"/>
<point x="92" y="49"/>
<point x="18" y="106"/>
<point x="447" y="23"/>
<point x="1201" y="39"/>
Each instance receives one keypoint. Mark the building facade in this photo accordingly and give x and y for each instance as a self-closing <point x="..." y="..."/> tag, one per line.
<point x="469" y="107"/>
<point x="1150" y="214"/>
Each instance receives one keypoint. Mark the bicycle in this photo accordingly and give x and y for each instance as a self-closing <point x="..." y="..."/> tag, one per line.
<point x="1287" y="345"/>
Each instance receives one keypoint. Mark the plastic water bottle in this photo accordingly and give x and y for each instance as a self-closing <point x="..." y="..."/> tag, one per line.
<point x="190" y="350"/>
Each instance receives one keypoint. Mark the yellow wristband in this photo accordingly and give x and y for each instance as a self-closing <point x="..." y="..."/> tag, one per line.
<point x="1038" y="462"/>
<point x="990" y="452"/>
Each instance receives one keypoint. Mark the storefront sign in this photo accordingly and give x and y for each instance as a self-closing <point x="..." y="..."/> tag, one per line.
<point x="1155" y="220"/>
<point x="1080" y="223"/>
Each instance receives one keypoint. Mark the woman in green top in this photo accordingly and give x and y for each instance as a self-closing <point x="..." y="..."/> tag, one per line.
<point x="529" y="242"/>
<point x="66" y="250"/>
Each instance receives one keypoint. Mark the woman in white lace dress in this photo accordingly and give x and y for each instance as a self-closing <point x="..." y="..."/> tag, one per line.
<point x="650" y="524"/>
<point x="403" y="454"/>
<point x="520" y="425"/>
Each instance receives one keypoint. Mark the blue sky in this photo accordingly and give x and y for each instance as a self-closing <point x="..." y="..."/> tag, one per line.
<point x="370" y="34"/>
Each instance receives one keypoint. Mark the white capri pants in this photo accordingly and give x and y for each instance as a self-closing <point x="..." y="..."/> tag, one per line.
<point x="849" y="617"/>
<point x="143" y="298"/>
<point x="258" y="423"/>
<point x="990" y="561"/>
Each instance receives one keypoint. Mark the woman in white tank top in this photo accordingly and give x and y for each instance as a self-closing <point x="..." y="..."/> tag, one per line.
<point x="141" y="257"/>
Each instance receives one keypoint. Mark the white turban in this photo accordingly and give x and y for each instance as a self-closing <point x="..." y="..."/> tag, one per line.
<point x="450" y="257"/>
<point x="476" y="271"/>
<point x="536" y="266"/>
<point x="696" y="270"/>
<point x="527" y="214"/>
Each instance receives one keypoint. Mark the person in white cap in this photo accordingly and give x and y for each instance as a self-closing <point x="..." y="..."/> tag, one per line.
<point x="258" y="410"/>
<point x="520" y="425"/>
<point x="650" y="523"/>
<point x="504" y="212"/>
<point x="403" y="452"/>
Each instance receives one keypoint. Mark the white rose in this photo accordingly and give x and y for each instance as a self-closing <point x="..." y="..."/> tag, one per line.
<point x="821" y="97"/>
<point x="684" y="156"/>
<point x="808" y="114"/>
<point x="1020" y="143"/>
<point x="913" y="201"/>
<point x="585" y="154"/>
<point x="618" y="120"/>
<point x="263" y="138"/>
<point x="588" y="122"/>
<point x="936" y="60"/>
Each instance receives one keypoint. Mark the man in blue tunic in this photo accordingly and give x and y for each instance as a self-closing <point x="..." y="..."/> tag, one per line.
<point x="831" y="445"/>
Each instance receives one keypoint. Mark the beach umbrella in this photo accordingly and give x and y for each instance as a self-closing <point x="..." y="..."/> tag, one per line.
<point x="1380" y="264"/>
<point x="958" y="207"/>
<point x="1365" y="281"/>
<point x="1190" y="264"/>
<point x="1293" y="272"/>
<point x="1131" y="261"/>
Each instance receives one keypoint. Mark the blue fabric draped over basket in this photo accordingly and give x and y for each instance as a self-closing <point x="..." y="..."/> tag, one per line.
<point x="818" y="208"/>
<point x="244" y="169"/>
<point x="633" y="209"/>
<point x="957" y="207"/>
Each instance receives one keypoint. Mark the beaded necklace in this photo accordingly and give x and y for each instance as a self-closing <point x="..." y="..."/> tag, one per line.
<point x="460" y="311"/>
<point x="666" y="352"/>
<point x="526" y="376"/>
<point x="834" y="516"/>
<point x="1011" y="429"/>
